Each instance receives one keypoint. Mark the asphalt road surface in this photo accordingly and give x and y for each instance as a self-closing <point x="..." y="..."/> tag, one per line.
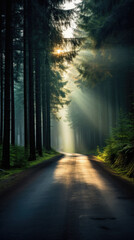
<point x="71" y="199"/>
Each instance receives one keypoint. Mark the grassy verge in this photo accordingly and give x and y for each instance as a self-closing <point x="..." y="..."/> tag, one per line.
<point x="118" y="152"/>
<point x="46" y="156"/>
<point x="122" y="170"/>
<point x="19" y="162"/>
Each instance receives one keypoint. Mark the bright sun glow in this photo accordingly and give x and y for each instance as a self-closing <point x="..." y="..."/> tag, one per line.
<point x="59" y="51"/>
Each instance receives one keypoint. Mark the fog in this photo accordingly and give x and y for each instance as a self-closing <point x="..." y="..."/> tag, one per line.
<point x="96" y="100"/>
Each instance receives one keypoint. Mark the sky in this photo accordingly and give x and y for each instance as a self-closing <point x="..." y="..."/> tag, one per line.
<point x="70" y="5"/>
<point x="68" y="33"/>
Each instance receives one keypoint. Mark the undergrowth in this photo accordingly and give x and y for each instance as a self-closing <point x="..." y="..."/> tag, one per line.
<point x="19" y="160"/>
<point x="119" y="149"/>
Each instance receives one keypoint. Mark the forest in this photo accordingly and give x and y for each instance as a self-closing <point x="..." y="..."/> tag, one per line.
<point x="87" y="77"/>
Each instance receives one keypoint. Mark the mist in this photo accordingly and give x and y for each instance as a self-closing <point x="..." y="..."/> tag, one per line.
<point x="96" y="100"/>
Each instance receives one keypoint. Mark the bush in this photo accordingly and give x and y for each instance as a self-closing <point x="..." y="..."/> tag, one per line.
<point x="18" y="156"/>
<point x="119" y="149"/>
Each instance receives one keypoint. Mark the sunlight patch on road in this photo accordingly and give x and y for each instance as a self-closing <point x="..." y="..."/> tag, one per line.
<point x="77" y="168"/>
<point x="87" y="174"/>
<point x="63" y="170"/>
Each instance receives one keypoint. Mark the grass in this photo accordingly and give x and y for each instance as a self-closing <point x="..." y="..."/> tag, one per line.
<point x="46" y="156"/>
<point x="19" y="161"/>
<point x="118" y="152"/>
<point x="124" y="171"/>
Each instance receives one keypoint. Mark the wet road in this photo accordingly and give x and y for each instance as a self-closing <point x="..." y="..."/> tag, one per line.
<point x="71" y="199"/>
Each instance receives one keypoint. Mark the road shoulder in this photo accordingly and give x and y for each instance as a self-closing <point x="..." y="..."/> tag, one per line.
<point x="15" y="180"/>
<point x="122" y="181"/>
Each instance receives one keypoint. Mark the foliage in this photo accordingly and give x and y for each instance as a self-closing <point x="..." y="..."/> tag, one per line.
<point x="58" y="89"/>
<point x="19" y="161"/>
<point x="108" y="21"/>
<point x="46" y="155"/>
<point x="119" y="149"/>
<point x="93" y="68"/>
<point x="108" y="26"/>
<point x="19" y="157"/>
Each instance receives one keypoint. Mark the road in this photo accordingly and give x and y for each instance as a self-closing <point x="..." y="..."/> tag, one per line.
<point x="71" y="199"/>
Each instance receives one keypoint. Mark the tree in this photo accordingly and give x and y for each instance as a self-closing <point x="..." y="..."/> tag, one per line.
<point x="12" y="86"/>
<point x="108" y="22"/>
<point x="6" y="141"/>
<point x="1" y="77"/>
<point x="104" y="65"/>
<point x="35" y="29"/>
<point x="25" y="33"/>
<point x="31" y="84"/>
<point x="38" y="103"/>
<point x="47" y="36"/>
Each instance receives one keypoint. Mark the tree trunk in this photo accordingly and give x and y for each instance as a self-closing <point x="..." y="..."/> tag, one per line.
<point x="1" y="92"/>
<point x="12" y="98"/>
<point x="38" y="104"/>
<point x="6" y="140"/>
<point x="31" y="85"/>
<point x="25" y="77"/>
<point x="1" y="100"/>
<point x="1" y="80"/>
<point x="43" y="80"/>
<point x="48" y="134"/>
